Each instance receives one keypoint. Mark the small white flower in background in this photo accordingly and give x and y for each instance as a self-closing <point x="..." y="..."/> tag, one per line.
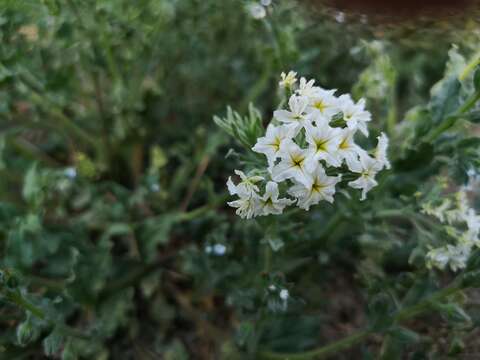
<point x="266" y="2"/>
<point x="272" y="287"/>
<point x="284" y="294"/>
<point x="219" y="249"/>
<point x="208" y="249"/>
<point x="70" y="172"/>
<point x="257" y="11"/>
<point x="155" y="188"/>
<point x="454" y="256"/>
<point x="322" y="187"/>
<point x="302" y="144"/>
<point x="269" y="203"/>
<point x="461" y="224"/>
<point x="381" y="151"/>
<point x="340" y="17"/>
<point x="287" y="80"/>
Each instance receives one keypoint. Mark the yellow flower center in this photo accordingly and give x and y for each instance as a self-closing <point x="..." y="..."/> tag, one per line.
<point x="344" y="144"/>
<point x="317" y="186"/>
<point x="320" y="105"/>
<point x="276" y="144"/>
<point x="321" y="145"/>
<point x="297" y="161"/>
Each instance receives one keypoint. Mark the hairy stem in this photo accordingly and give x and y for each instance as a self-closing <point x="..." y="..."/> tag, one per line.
<point x="451" y="120"/>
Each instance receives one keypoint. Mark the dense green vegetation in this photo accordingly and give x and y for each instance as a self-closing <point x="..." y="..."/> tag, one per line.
<point x="116" y="240"/>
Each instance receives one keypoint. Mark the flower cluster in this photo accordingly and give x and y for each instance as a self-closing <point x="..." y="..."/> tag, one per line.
<point x="462" y="224"/>
<point x="308" y="147"/>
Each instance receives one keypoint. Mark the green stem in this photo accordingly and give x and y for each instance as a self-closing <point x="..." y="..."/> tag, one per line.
<point x="133" y="278"/>
<point x="470" y="66"/>
<point x="362" y="335"/>
<point x="268" y="258"/>
<point x="425" y="305"/>
<point x="15" y="297"/>
<point x="323" y="351"/>
<point x="68" y="125"/>
<point x="451" y="120"/>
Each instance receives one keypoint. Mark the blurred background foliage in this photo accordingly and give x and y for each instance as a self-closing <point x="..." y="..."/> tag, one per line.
<point x="115" y="242"/>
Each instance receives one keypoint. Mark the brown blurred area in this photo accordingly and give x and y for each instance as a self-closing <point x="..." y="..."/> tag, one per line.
<point x="406" y="8"/>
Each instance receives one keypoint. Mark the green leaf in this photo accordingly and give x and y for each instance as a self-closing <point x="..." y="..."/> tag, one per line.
<point x="69" y="351"/>
<point x="32" y="184"/>
<point x="52" y="343"/>
<point x="380" y="309"/>
<point x="404" y="335"/>
<point x="445" y="98"/>
<point x="415" y="159"/>
<point x="456" y="346"/>
<point x="453" y="312"/>
<point x="472" y="278"/>
<point x="27" y="332"/>
<point x="476" y="79"/>
<point x="472" y="116"/>
<point x="276" y="243"/>
<point x="157" y="232"/>
<point x="244" y="333"/>
<point x="472" y="142"/>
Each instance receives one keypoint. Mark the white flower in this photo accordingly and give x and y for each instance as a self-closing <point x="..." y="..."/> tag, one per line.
<point x="455" y="256"/>
<point x="219" y="249"/>
<point x="307" y="88"/>
<point x="292" y="164"/>
<point x="473" y="225"/>
<point x="287" y="80"/>
<point x="322" y="187"/>
<point x="355" y="115"/>
<point x="208" y="249"/>
<point x="381" y="151"/>
<point x="340" y="17"/>
<point x="368" y="168"/>
<point x="284" y="294"/>
<point x="324" y="141"/>
<point x="246" y="205"/>
<point x="269" y="203"/>
<point x="257" y="11"/>
<point x="246" y="186"/>
<point x="70" y="172"/>
<point x="323" y="104"/>
<point x="272" y="287"/>
<point x="297" y="115"/>
<point x="348" y="150"/>
<point x="273" y="140"/>
<point x="306" y="122"/>
<point x="266" y="2"/>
